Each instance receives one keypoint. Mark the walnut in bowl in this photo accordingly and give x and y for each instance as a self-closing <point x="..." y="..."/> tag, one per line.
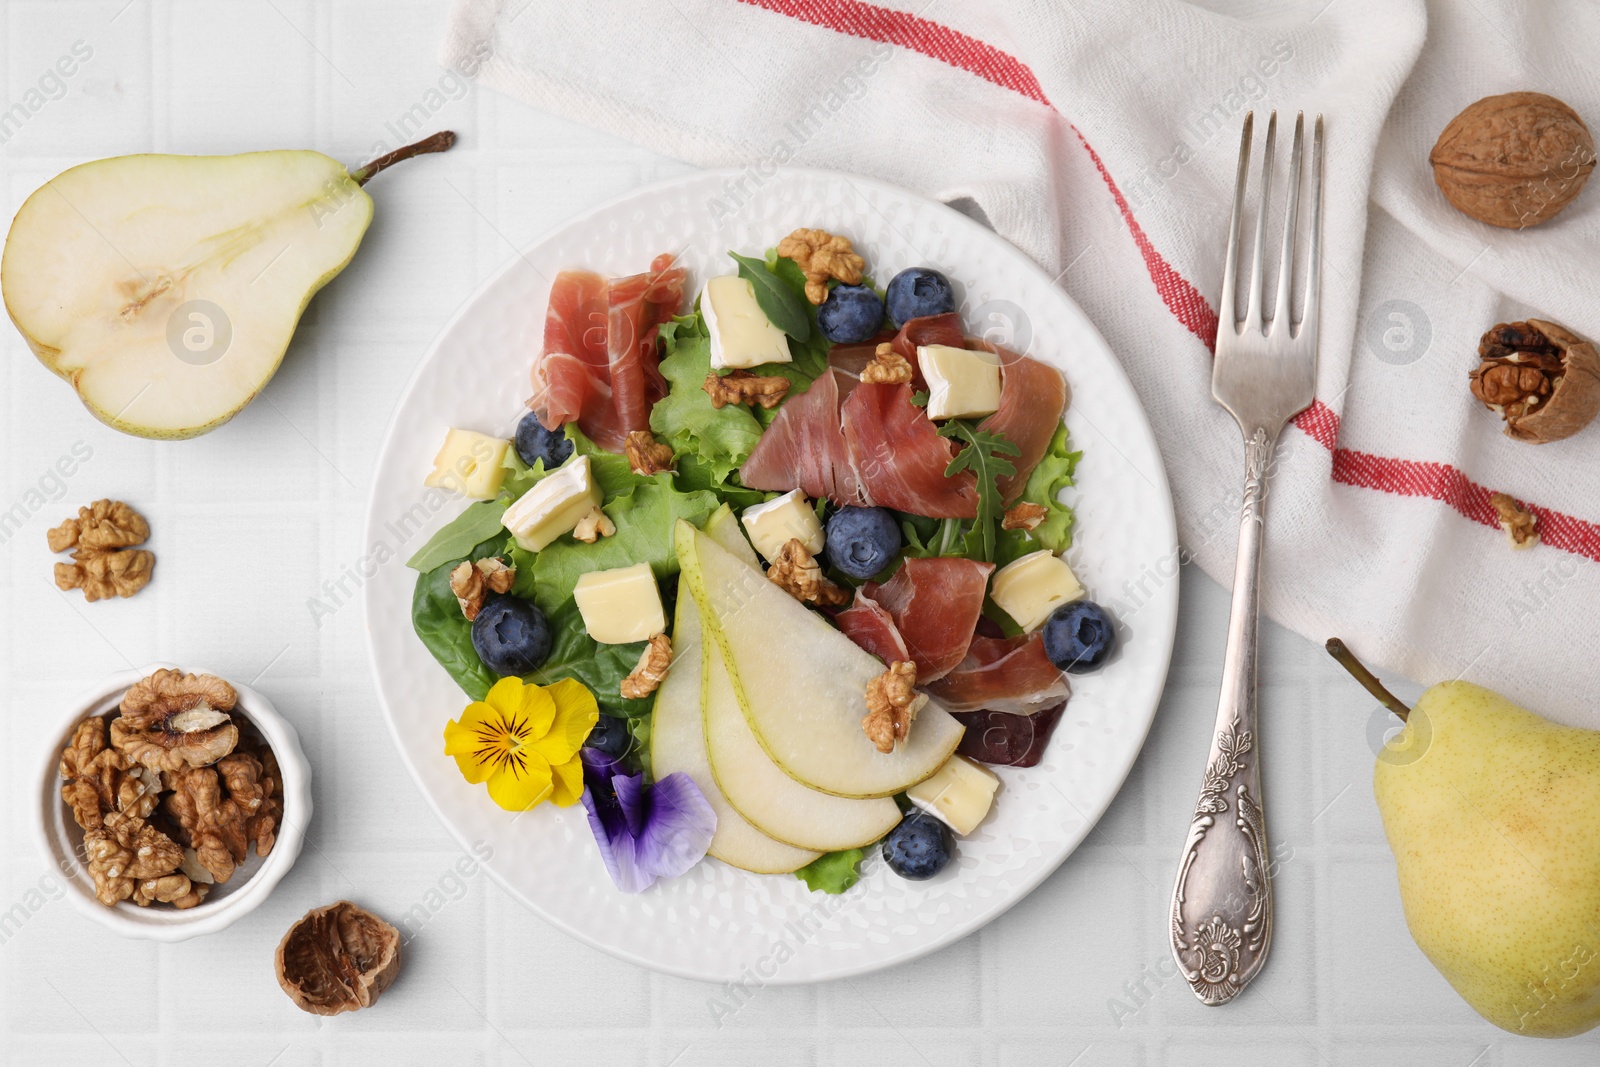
<point x="172" y="802"/>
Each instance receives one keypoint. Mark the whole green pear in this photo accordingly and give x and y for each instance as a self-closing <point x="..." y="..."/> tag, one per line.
<point x="1494" y="818"/>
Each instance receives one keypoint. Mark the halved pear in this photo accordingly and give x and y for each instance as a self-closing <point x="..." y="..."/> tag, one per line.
<point x="801" y="683"/>
<point x="166" y="289"/>
<point x="678" y="743"/>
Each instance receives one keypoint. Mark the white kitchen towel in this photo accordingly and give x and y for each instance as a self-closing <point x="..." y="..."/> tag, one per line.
<point x="1101" y="137"/>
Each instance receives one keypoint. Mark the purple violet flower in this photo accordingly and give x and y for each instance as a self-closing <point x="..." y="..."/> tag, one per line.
<point x="644" y="831"/>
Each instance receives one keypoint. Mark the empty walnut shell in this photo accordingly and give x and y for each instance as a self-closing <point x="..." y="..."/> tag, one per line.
<point x="1540" y="377"/>
<point x="338" y="958"/>
<point x="1513" y="160"/>
<point x="173" y="720"/>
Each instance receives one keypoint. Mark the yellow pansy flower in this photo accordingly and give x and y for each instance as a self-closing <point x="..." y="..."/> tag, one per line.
<point x="524" y="740"/>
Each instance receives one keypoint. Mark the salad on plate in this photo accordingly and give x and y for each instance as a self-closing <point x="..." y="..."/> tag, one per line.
<point x="773" y="578"/>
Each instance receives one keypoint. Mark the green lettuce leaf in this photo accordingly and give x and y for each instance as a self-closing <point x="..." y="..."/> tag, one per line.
<point x="644" y="516"/>
<point x="1045" y="483"/>
<point x="832" y="872"/>
<point x="719" y="440"/>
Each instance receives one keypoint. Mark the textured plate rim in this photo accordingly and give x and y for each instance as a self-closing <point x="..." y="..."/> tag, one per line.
<point x="1168" y="598"/>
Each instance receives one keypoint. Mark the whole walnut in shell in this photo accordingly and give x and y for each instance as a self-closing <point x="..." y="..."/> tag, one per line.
<point x="338" y="958"/>
<point x="1540" y="377"/>
<point x="1513" y="160"/>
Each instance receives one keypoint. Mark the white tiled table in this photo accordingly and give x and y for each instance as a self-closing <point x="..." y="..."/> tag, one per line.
<point x="252" y="521"/>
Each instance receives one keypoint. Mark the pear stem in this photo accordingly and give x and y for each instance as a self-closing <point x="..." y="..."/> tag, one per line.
<point x="1347" y="659"/>
<point x="434" y="142"/>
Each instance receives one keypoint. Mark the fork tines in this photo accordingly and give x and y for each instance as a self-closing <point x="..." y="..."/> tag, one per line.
<point x="1253" y="317"/>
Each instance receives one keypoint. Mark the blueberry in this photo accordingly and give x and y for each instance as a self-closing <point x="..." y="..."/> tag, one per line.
<point x="610" y="735"/>
<point x="919" y="291"/>
<point x="534" y="443"/>
<point x="512" y="636"/>
<point x="850" y="315"/>
<point x="1078" y="636"/>
<point x="862" y="541"/>
<point x="918" y="848"/>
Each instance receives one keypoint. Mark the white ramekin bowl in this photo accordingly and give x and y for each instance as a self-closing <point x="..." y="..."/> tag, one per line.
<point x="61" y="839"/>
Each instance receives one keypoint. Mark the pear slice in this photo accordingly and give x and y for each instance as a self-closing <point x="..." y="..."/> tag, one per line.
<point x="801" y="683"/>
<point x="777" y="804"/>
<point x="678" y="743"/>
<point x="165" y="289"/>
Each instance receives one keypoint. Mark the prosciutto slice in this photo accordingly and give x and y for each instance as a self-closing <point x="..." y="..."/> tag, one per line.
<point x="929" y="330"/>
<point x="1007" y="674"/>
<point x="805" y="448"/>
<point x="1033" y="397"/>
<point x="599" y="366"/>
<point x="934" y="605"/>
<point x="870" y="626"/>
<point x="900" y="457"/>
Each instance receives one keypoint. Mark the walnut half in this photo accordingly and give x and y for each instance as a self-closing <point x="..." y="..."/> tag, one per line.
<point x="654" y="662"/>
<point x="742" y="387"/>
<point x="103" y="562"/>
<point x="473" y="580"/>
<point x="173" y="720"/>
<point x="1520" y="524"/>
<point x="338" y="958"/>
<point x="797" y="573"/>
<point x="821" y="255"/>
<point x="892" y="702"/>
<point x="888" y="367"/>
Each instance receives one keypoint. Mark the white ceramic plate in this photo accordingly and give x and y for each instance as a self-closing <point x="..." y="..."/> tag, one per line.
<point x="717" y="923"/>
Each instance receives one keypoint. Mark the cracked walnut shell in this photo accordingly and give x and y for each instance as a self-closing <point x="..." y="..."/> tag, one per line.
<point x="173" y="720"/>
<point x="1513" y="160"/>
<point x="338" y="958"/>
<point x="1540" y="377"/>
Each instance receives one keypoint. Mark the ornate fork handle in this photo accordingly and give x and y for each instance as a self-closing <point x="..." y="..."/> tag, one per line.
<point x="1222" y="902"/>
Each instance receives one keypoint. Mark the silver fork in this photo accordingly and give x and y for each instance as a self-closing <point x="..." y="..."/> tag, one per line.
<point x="1264" y="374"/>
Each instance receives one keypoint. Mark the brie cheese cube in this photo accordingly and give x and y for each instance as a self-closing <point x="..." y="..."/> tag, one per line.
<point x="469" y="463"/>
<point x="621" y="605"/>
<point x="962" y="383"/>
<point x="741" y="334"/>
<point x="553" y="506"/>
<point x="1030" y="588"/>
<point x="771" y="525"/>
<point x="959" y="794"/>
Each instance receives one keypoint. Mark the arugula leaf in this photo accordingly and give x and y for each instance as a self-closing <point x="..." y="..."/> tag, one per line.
<point x="925" y="538"/>
<point x="984" y="455"/>
<point x="445" y="632"/>
<point x="1052" y="474"/>
<point x="777" y="300"/>
<point x="832" y="872"/>
<point x="454" y="540"/>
